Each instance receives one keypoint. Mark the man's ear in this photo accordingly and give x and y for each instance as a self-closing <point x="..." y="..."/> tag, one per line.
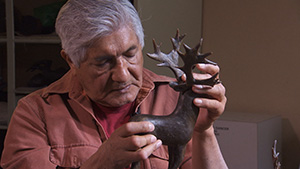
<point x="66" y="57"/>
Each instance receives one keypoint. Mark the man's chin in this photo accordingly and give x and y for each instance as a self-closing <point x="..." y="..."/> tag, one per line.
<point x="118" y="101"/>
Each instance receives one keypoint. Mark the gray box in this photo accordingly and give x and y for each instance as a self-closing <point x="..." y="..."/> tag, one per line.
<point x="246" y="139"/>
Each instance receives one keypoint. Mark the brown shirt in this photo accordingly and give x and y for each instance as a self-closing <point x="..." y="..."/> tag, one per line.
<point x="56" y="127"/>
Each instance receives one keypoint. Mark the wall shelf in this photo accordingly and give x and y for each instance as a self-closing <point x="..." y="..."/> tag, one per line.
<point x="25" y="90"/>
<point x="40" y="39"/>
<point x="21" y="53"/>
<point x="3" y="115"/>
<point x="3" y="39"/>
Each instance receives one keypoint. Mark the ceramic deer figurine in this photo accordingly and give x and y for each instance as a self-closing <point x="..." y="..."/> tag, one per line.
<point x="176" y="129"/>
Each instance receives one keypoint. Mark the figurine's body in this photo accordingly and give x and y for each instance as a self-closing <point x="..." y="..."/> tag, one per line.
<point x="176" y="129"/>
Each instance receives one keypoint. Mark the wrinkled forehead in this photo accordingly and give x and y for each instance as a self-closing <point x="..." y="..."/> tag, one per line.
<point x="116" y="43"/>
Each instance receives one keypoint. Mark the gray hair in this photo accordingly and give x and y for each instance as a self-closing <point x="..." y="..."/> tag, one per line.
<point x="81" y="22"/>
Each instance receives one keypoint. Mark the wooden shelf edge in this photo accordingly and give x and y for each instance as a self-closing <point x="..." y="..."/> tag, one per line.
<point x="26" y="90"/>
<point x="41" y="39"/>
<point x="48" y="39"/>
<point x="3" y="115"/>
<point x="3" y="40"/>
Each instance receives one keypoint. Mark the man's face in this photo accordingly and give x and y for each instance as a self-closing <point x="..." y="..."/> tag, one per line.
<point x="111" y="74"/>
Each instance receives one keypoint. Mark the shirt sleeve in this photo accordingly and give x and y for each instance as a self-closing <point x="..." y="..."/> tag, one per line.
<point x="26" y="144"/>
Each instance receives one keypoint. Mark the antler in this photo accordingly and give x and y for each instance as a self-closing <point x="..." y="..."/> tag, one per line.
<point x="169" y="60"/>
<point x="191" y="57"/>
<point x="275" y="156"/>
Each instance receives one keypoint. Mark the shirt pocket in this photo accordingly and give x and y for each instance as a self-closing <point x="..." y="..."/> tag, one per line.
<point x="159" y="158"/>
<point x="71" y="156"/>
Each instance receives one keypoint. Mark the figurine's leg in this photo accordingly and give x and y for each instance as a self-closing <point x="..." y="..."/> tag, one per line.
<point x="176" y="154"/>
<point x="135" y="165"/>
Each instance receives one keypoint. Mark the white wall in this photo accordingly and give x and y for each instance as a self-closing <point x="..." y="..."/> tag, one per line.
<point x="161" y="18"/>
<point x="257" y="45"/>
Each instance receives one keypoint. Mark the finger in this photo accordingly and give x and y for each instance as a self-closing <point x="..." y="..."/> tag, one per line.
<point x="132" y="128"/>
<point x="213" y="106"/>
<point x="217" y="92"/>
<point x="136" y="142"/>
<point x="145" y="152"/>
<point x="214" y="99"/>
<point x="201" y="76"/>
<point x="183" y="77"/>
<point x="207" y="71"/>
<point x="208" y="68"/>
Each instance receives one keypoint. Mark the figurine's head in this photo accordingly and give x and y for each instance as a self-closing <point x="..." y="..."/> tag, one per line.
<point x="191" y="57"/>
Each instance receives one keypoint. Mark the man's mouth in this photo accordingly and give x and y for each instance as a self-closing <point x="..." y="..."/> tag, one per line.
<point x="122" y="89"/>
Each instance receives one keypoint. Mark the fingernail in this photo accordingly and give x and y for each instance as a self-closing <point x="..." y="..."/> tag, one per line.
<point x="202" y="65"/>
<point x="158" y="144"/>
<point x="203" y="86"/>
<point x="151" y="127"/>
<point x="199" y="86"/>
<point x="198" y="101"/>
<point x="153" y="139"/>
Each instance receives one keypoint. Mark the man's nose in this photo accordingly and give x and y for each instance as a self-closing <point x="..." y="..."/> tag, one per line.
<point x="120" y="71"/>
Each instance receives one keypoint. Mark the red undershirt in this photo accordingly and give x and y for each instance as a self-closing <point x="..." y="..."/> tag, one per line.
<point x="112" y="118"/>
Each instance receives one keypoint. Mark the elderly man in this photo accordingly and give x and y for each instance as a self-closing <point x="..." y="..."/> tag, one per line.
<point x="81" y="120"/>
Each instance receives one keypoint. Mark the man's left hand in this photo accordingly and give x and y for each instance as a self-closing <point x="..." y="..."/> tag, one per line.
<point x="214" y="100"/>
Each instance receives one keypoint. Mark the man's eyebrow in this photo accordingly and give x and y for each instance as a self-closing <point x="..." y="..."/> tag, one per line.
<point x="102" y="57"/>
<point x="133" y="47"/>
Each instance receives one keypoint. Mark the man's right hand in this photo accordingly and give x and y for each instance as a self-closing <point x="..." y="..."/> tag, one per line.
<point x="124" y="147"/>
